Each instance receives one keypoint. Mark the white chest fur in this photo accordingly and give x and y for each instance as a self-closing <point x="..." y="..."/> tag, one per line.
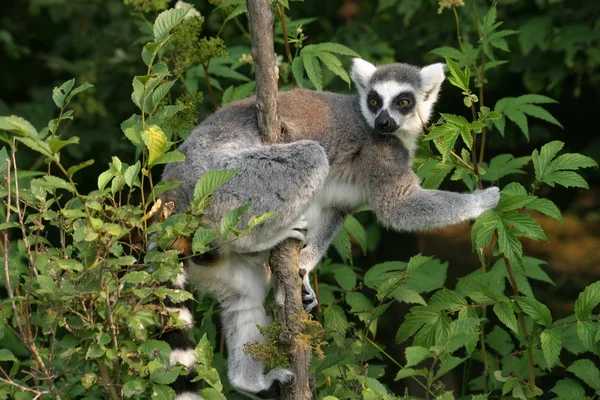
<point x="335" y="194"/>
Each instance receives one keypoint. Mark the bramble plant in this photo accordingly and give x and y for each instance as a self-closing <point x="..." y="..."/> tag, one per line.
<point x="83" y="299"/>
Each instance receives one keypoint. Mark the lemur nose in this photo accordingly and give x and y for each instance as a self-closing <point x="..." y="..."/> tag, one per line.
<point x="384" y="123"/>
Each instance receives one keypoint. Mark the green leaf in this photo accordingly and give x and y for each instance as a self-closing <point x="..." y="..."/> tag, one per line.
<point x="161" y="91"/>
<point x="335" y="48"/>
<point x="77" y="90"/>
<point x="506" y="315"/>
<point x="170" y="157"/>
<point x="447" y="365"/>
<point x="418" y="316"/>
<point x="545" y="207"/>
<point x="568" y="389"/>
<point x="165" y="186"/>
<point x="358" y="302"/>
<point x="238" y="10"/>
<point x="207" y="184"/>
<point x="345" y="277"/>
<point x="313" y="69"/>
<point x="445" y="299"/>
<point x="483" y="229"/>
<point x="587" y="332"/>
<point x="167" y="20"/>
<point x="131" y="174"/>
<point x="135" y="386"/>
<point x="479" y="292"/>
<point x="53" y="182"/>
<point x="524" y="225"/>
<point x="406" y="373"/>
<point x="60" y="93"/>
<point x="156" y="142"/>
<point x="356" y="230"/>
<point x="551" y="346"/>
<point x="73" y="169"/>
<point x="587" y="371"/>
<point x="334" y="65"/>
<point x="137" y="277"/>
<point x="587" y="301"/>
<point x="94" y="351"/>
<point x="18" y="125"/>
<point x="572" y="161"/>
<point x="230" y="220"/>
<point x="436" y="175"/>
<point x="509" y="244"/>
<point x="298" y="70"/>
<point x="536" y="310"/>
<point x="416" y="354"/>
<point x="7" y="355"/>
<point x="503" y="165"/>
<point x="342" y="244"/>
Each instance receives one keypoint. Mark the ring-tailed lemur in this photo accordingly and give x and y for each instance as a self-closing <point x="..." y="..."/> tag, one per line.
<point x="338" y="152"/>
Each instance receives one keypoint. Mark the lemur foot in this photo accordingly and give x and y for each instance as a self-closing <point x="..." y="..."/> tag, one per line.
<point x="298" y="229"/>
<point x="309" y="298"/>
<point x="277" y="377"/>
<point x="487" y="198"/>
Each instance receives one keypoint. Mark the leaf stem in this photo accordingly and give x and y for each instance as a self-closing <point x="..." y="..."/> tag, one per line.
<point x="524" y="331"/>
<point x="288" y="51"/>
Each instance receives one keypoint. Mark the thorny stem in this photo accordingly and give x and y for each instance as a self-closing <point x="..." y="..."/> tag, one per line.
<point x="480" y="78"/>
<point x="482" y="335"/>
<point x="524" y="331"/>
<point x="106" y="382"/>
<point x="288" y="51"/>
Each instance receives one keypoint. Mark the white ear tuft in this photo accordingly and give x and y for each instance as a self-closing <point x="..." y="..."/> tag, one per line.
<point x="361" y="73"/>
<point x="433" y="76"/>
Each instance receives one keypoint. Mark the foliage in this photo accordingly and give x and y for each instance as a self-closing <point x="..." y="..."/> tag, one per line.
<point x="83" y="300"/>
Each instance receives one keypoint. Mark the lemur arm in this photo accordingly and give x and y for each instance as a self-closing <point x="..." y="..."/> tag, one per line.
<point x="395" y="193"/>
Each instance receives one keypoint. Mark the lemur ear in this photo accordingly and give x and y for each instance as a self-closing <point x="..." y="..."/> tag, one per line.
<point x="433" y="76"/>
<point x="361" y="73"/>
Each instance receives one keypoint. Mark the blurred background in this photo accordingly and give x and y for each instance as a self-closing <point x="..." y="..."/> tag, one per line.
<point x="556" y="53"/>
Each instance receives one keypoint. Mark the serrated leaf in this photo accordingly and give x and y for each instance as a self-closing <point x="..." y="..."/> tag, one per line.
<point x="167" y="20"/>
<point x="509" y="244"/>
<point x="334" y="65"/>
<point x="170" y="157"/>
<point x="161" y="91"/>
<point x="342" y="244"/>
<point x="7" y="355"/>
<point x="238" y="10"/>
<point x="540" y="113"/>
<point x="356" y="230"/>
<point x="445" y="299"/>
<point x="436" y="175"/>
<point x="587" y="301"/>
<point x="447" y="365"/>
<point x="506" y="315"/>
<point x="545" y="207"/>
<point x="207" y="184"/>
<point x="358" y="302"/>
<point x="587" y="332"/>
<point x="345" y="277"/>
<point x="83" y="87"/>
<point x="230" y="220"/>
<point x="536" y="310"/>
<point x="18" y="125"/>
<point x="313" y="69"/>
<point x="568" y="389"/>
<point x="156" y="142"/>
<point x="572" y="161"/>
<point x="135" y="386"/>
<point x="165" y="186"/>
<point x="406" y="373"/>
<point x="503" y="165"/>
<point x="335" y="48"/>
<point x="524" y="225"/>
<point x="551" y="346"/>
<point x="416" y="354"/>
<point x="298" y="70"/>
<point x="587" y="372"/>
<point x="484" y="228"/>
<point x="131" y="174"/>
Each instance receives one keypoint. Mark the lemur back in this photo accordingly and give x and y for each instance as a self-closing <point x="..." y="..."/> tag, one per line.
<point x="337" y="152"/>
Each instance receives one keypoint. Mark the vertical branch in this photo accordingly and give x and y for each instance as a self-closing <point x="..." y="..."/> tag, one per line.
<point x="260" y="19"/>
<point x="284" y="260"/>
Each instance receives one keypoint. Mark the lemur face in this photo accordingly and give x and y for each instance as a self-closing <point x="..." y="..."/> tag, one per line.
<point x="397" y="98"/>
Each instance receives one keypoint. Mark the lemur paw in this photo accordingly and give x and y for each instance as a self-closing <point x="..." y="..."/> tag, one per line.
<point x="298" y="229"/>
<point x="277" y="376"/>
<point x="488" y="198"/>
<point x="309" y="298"/>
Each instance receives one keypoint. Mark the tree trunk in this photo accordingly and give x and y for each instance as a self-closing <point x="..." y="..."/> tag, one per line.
<point x="284" y="258"/>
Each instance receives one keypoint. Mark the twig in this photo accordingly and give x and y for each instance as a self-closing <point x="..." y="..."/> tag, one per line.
<point x="211" y="93"/>
<point x="288" y="51"/>
<point x="521" y="319"/>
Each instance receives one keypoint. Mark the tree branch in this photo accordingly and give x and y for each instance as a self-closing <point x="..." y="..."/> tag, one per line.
<point x="284" y="259"/>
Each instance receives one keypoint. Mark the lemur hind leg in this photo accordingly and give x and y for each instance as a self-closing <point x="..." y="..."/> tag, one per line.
<point x="240" y="283"/>
<point x="283" y="178"/>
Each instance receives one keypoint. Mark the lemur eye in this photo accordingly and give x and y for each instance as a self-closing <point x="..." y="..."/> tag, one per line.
<point x="404" y="103"/>
<point x="372" y="102"/>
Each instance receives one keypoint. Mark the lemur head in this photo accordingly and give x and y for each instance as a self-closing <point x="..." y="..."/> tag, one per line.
<point x="395" y="98"/>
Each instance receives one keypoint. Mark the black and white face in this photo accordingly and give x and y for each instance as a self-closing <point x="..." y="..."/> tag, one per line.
<point x="397" y="98"/>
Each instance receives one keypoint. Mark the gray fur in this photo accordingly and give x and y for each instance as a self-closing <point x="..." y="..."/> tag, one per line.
<point x="332" y="160"/>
